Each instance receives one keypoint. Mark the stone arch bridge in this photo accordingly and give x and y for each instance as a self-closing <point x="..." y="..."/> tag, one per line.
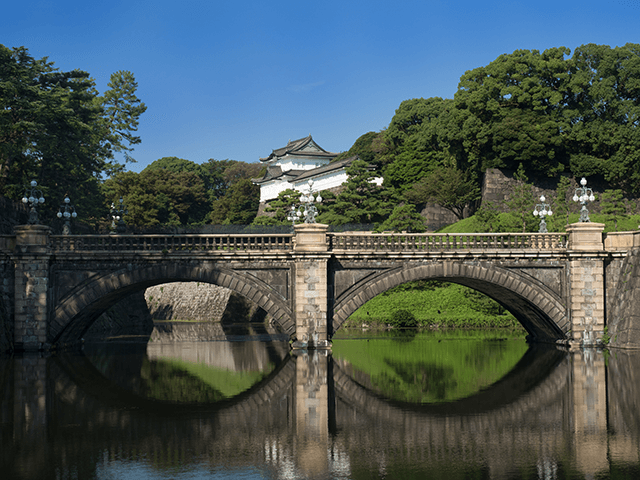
<point x="560" y="286"/>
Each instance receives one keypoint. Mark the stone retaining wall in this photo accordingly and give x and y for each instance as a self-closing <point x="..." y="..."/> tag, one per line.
<point x="128" y="318"/>
<point x="187" y="301"/>
<point x="624" y="319"/>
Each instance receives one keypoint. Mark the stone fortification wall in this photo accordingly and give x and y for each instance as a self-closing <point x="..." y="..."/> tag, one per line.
<point x="187" y="301"/>
<point x="437" y="217"/>
<point x="150" y="314"/>
<point x="624" y="317"/>
<point x="498" y="185"/>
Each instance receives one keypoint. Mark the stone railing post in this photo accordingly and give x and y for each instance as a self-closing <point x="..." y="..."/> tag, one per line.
<point x="31" y="256"/>
<point x="311" y="296"/>
<point x="586" y="282"/>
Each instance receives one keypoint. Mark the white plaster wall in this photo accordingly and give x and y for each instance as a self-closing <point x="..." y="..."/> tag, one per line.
<point x="270" y="190"/>
<point x="323" y="182"/>
<point x="296" y="163"/>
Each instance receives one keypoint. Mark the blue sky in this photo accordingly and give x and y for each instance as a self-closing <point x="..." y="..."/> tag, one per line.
<point x="236" y="79"/>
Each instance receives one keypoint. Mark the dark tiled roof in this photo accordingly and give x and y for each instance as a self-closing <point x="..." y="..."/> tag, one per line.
<point x="273" y="174"/>
<point x="296" y="146"/>
<point x="344" y="163"/>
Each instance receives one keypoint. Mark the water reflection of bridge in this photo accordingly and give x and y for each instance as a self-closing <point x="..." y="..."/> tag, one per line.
<point x="310" y="415"/>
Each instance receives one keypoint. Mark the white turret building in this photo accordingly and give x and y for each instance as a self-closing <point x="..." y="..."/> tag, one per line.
<point x="293" y="165"/>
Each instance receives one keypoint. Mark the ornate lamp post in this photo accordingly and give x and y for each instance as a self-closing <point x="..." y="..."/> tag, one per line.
<point x="117" y="214"/>
<point x="584" y="195"/>
<point x="307" y="208"/>
<point x="542" y="210"/>
<point x="67" y="211"/>
<point x="33" y="197"/>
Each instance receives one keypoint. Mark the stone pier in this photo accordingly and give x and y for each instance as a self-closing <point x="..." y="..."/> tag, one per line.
<point x="311" y="302"/>
<point x="587" y="285"/>
<point x="32" y="257"/>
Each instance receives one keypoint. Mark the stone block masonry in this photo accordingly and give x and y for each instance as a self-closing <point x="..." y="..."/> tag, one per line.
<point x="587" y="285"/>
<point x="587" y="300"/>
<point x="309" y="283"/>
<point x="31" y="286"/>
<point x="187" y="301"/>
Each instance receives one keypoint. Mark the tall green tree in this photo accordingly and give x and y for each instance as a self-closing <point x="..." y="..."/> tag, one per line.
<point x="510" y="112"/>
<point x="239" y="206"/>
<point x="613" y="206"/>
<point x="403" y="218"/>
<point x="368" y="147"/>
<point x="55" y="129"/>
<point x="522" y="201"/>
<point x="361" y="199"/>
<point x="121" y="112"/>
<point x="448" y="187"/>
<point x="604" y="107"/>
<point x="280" y="208"/>
<point x="418" y="144"/>
<point x="159" y="197"/>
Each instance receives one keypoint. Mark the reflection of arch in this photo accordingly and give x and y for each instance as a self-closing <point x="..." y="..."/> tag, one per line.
<point x="81" y="372"/>
<point x="540" y="310"/>
<point x="75" y="313"/>
<point x="530" y="384"/>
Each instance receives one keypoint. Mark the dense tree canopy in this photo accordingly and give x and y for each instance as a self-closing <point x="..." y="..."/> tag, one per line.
<point x="540" y="113"/>
<point x="160" y="197"/>
<point x="174" y="191"/>
<point x="361" y="200"/>
<point x="54" y="128"/>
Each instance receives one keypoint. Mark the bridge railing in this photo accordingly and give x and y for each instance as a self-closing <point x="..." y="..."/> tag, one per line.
<point x="167" y="243"/>
<point x="446" y="241"/>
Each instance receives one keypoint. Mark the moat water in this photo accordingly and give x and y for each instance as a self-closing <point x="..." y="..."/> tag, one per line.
<point x="437" y="405"/>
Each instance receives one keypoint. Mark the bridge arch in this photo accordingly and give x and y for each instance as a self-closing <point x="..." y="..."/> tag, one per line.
<point x="539" y="309"/>
<point x="74" y="313"/>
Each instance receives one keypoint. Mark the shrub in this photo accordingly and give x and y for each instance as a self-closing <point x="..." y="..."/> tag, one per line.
<point x="403" y="319"/>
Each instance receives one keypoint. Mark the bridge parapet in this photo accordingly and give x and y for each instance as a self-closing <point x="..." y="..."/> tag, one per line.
<point x="621" y="241"/>
<point x="447" y="241"/>
<point x="171" y="243"/>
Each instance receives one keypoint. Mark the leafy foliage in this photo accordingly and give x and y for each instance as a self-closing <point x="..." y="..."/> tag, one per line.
<point x="361" y="200"/>
<point x="280" y="208"/>
<point x="159" y="197"/>
<point x="239" y="206"/>
<point x="448" y="187"/>
<point x="403" y="318"/>
<point x="521" y="201"/>
<point x="404" y="218"/>
<point x="613" y="207"/>
<point x="367" y="147"/>
<point x="54" y="128"/>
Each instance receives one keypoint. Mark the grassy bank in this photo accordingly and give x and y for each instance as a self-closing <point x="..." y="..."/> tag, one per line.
<point x="432" y="304"/>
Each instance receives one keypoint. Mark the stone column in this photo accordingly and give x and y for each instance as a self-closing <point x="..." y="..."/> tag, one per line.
<point x="31" y="256"/>
<point x="311" y="299"/>
<point x="586" y="280"/>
